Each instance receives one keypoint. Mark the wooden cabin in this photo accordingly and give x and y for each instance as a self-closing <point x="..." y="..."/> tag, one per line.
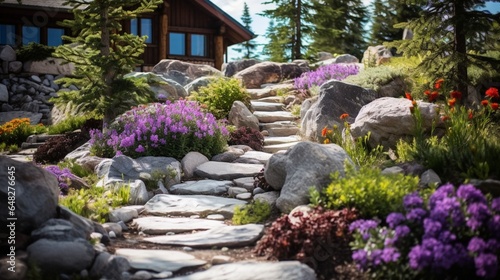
<point x="195" y="31"/>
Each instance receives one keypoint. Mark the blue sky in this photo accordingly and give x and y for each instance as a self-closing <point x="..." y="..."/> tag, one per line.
<point x="260" y="24"/>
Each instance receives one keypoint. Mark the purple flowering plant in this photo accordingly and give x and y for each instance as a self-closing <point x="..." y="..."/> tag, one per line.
<point x="162" y="129"/>
<point x="455" y="234"/>
<point x="325" y="73"/>
<point x="63" y="177"/>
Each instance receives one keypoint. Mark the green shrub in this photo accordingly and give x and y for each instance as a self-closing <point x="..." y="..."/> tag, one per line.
<point x="375" y="77"/>
<point x="17" y="131"/>
<point x="70" y="124"/>
<point x="219" y="95"/>
<point x="95" y="203"/>
<point x="255" y="212"/>
<point x="75" y="168"/>
<point x="34" y="52"/>
<point x="367" y="190"/>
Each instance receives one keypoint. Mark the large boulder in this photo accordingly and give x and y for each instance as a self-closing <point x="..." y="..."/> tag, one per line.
<point x="233" y="67"/>
<point x="162" y="87"/>
<point x="335" y="99"/>
<point x="394" y="88"/>
<point x="183" y="72"/>
<point x="303" y="166"/>
<point x="376" y="55"/>
<point x="51" y="65"/>
<point x="35" y="190"/>
<point x="268" y="72"/>
<point x="4" y="93"/>
<point x="7" y="53"/>
<point x="198" y="83"/>
<point x="240" y="116"/>
<point x="389" y="119"/>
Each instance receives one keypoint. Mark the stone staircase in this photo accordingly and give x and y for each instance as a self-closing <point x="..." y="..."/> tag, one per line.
<point x="280" y="127"/>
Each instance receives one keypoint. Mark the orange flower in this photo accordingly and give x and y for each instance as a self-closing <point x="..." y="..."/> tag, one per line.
<point x="444" y="118"/>
<point x="324" y="131"/>
<point x="452" y="102"/>
<point x="484" y="102"/>
<point x="427" y="92"/>
<point x="456" y="94"/>
<point x="327" y="141"/>
<point x="408" y="96"/>
<point x="492" y="92"/>
<point x="438" y="83"/>
<point x="433" y="96"/>
<point x="344" y="116"/>
<point x="494" y="106"/>
<point x="470" y="115"/>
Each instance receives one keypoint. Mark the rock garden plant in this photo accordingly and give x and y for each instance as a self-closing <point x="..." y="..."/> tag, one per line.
<point x="247" y="136"/>
<point x="454" y="234"/>
<point x="325" y="73"/>
<point x="16" y="131"/>
<point x="169" y="129"/>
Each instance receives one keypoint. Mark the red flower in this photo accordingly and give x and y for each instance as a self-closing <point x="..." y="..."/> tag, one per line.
<point x="444" y="118"/>
<point x="324" y="131"/>
<point x="438" y="83"/>
<point x="433" y="96"/>
<point x="484" y="102"/>
<point x="492" y="92"/>
<point x="344" y="116"/>
<point x="427" y="92"/>
<point x="408" y="96"/>
<point x="456" y="94"/>
<point x="494" y="106"/>
<point x="452" y="102"/>
<point x="470" y="115"/>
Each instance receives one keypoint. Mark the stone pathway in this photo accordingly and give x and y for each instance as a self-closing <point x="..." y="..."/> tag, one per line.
<point x="279" y="126"/>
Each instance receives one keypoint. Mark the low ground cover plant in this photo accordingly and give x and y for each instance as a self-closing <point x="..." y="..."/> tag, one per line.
<point x="16" y="131"/>
<point x="70" y="124"/>
<point x="168" y="129"/>
<point x="63" y="176"/>
<point x="370" y="192"/>
<point x="454" y="234"/>
<point x="325" y="73"/>
<point x="254" y="212"/>
<point x="219" y="95"/>
<point x="247" y="136"/>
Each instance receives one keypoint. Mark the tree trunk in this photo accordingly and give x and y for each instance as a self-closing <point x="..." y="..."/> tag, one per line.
<point x="298" y="35"/>
<point x="460" y="48"/>
<point x="108" y="75"/>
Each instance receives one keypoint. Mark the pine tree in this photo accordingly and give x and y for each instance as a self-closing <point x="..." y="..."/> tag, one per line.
<point x="445" y="35"/>
<point x="386" y="14"/>
<point x="248" y="47"/>
<point x="292" y="24"/>
<point x="103" y="55"/>
<point x="274" y="49"/>
<point x="339" y="26"/>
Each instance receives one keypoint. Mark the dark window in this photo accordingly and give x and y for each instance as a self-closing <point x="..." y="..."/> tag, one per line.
<point x="7" y="34"/>
<point x="54" y="36"/>
<point x="142" y="27"/>
<point x="198" y="45"/>
<point x="177" y="44"/>
<point x="31" y="34"/>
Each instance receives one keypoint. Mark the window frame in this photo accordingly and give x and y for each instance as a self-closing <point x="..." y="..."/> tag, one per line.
<point x="23" y="35"/>
<point x="138" y="27"/>
<point x="188" y="44"/>
<point x="13" y="35"/>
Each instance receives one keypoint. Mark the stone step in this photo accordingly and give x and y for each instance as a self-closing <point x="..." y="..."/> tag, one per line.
<point x="266" y="106"/>
<point x="283" y="128"/>
<point x="268" y="141"/>
<point x="279" y="147"/>
<point x="256" y="93"/>
<point x="269" y="117"/>
<point x="26" y="145"/>
<point x="41" y="138"/>
<point x="272" y="99"/>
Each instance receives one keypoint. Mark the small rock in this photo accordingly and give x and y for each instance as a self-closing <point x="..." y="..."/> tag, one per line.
<point x="216" y="217"/>
<point x="234" y="191"/>
<point x="256" y="191"/>
<point x="244" y="196"/>
<point x="163" y="274"/>
<point x="113" y="227"/>
<point x="35" y="78"/>
<point x="123" y="225"/>
<point x="142" y="275"/>
<point x="221" y="259"/>
<point x="393" y="170"/>
<point x="122" y="214"/>
<point x="224" y="249"/>
<point x="112" y="234"/>
<point x="187" y="249"/>
<point x="429" y="178"/>
<point x="245" y="182"/>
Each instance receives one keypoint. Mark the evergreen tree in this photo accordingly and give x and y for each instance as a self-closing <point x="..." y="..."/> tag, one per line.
<point x="446" y="34"/>
<point x="274" y="49"/>
<point x="292" y="24"/>
<point x="103" y="55"/>
<point x="248" y="47"/>
<point x="386" y="14"/>
<point x="339" y="26"/>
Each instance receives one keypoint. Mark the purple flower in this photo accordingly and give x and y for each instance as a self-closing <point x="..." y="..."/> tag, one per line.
<point x="470" y="194"/>
<point x="476" y="245"/>
<point x="390" y="255"/>
<point x="376" y="257"/>
<point x="419" y="257"/>
<point x="494" y="226"/>
<point x="432" y="228"/>
<point x="416" y="215"/>
<point x="486" y="265"/>
<point x="361" y="258"/>
<point x="495" y="204"/>
<point x="363" y="227"/>
<point x="413" y="200"/>
<point x="401" y="231"/>
<point x="140" y="149"/>
<point x="479" y="213"/>
<point x="394" y="219"/>
<point x="441" y="193"/>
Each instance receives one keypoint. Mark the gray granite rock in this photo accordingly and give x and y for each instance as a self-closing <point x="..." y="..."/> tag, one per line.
<point x="245" y="182"/>
<point x="241" y="116"/>
<point x="187" y="205"/>
<point x="234" y="191"/>
<point x="268" y="198"/>
<point x="190" y="161"/>
<point x="230" y="236"/>
<point x="162" y="225"/>
<point x="58" y="230"/>
<point x="207" y="187"/>
<point x="262" y="157"/>
<point x="285" y="270"/>
<point x="244" y="196"/>
<point x="158" y="260"/>
<point x="122" y="214"/>
<point x="227" y="171"/>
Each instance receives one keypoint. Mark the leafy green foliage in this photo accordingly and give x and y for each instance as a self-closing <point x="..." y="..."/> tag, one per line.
<point x="375" y="77"/>
<point x="34" y="52"/>
<point x="247" y="136"/>
<point x="103" y="55"/>
<point x="70" y="124"/>
<point x="369" y="191"/>
<point x="313" y="238"/>
<point x="95" y="203"/>
<point x="255" y="212"/>
<point x="219" y="96"/>
<point x="75" y="168"/>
